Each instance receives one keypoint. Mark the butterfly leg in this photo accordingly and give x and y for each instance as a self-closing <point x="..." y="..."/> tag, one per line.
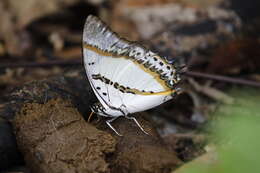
<point x="108" y="123"/>
<point x="137" y="123"/>
<point x="89" y="118"/>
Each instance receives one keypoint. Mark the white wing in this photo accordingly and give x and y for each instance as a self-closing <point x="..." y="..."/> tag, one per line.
<point x="123" y="73"/>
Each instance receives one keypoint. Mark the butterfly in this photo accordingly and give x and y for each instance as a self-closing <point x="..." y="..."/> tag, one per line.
<point x="125" y="77"/>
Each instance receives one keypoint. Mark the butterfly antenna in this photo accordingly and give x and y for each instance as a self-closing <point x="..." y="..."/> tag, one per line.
<point x="108" y="123"/>
<point x="137" y="123"/>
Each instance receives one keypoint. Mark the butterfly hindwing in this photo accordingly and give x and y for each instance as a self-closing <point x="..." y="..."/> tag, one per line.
<point x="123" y="73"/>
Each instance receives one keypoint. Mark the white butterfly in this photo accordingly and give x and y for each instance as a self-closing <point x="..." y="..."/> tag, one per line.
<point x="125" y="77"/>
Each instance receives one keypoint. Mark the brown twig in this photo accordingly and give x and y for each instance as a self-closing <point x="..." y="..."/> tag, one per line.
<point x="223" y="78"/>
<point x="79" y="62"/>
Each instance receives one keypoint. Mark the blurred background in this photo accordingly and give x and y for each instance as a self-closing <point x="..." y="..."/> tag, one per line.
<point x="40" y="39"/>
<point x="216" y="36"/>
<point x="211" y="37"/>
